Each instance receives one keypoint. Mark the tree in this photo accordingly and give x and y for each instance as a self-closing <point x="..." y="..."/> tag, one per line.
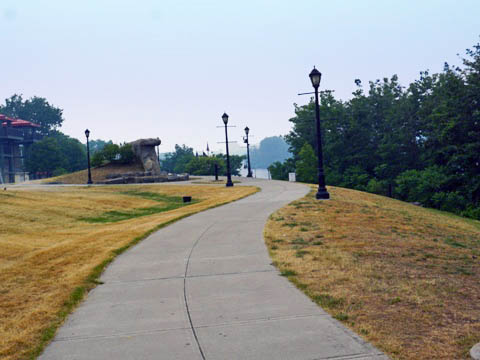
<point x="113" y="153"/>
<point x="280" y="171"/>
<point x="97" y="145"/>
<point x="74" y="151"/>
<point x="46" y="156"/>
<point x="425" y="138"/>
<point x="204" y="165"/>
<point x="307" y="165"/>
<point x="175" y="162"/>
<point x="236" y="162"/>
<point x="36" y="109"/>
<point x="56" y="153"/>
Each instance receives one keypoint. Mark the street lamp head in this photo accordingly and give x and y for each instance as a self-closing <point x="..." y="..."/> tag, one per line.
<point x="225" y="118"/>
<point x="247" y="130"/>
<point x="315" y="77"/>
<point x="87" y="133"/>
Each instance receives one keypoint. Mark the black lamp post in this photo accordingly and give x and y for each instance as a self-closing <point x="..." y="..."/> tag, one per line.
<point x="245" y="139"/>
<point x="315" y="77"/>
<point x="229" y="175"/>
<point x="87" y="134"/>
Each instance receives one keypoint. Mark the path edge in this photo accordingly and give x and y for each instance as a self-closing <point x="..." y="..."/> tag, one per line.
<point x="79" y="293"/>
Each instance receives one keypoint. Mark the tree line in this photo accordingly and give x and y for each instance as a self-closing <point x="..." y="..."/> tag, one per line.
<point x="56" y="153"/>
<point x="421" y="141"/>
<point x="184" y="160"/>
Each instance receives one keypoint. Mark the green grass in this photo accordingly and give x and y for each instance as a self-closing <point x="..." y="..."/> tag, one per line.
<point x="288" y="273"/>
<point x="328" y="301"/>
<point x="454" y="243"/>
<point x="168" y="203"/>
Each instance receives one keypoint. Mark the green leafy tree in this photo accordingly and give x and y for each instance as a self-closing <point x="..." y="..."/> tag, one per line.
<point x="73" y="150"/>
<point x="57" y="153"/>
<point x="204" y="165"/>
<point x="307" y="165"/>
<point x="97" y="145"/>
<point x="126" y="154"/>
<point x="113" y="153"/>
<point x="46" y="156"/>
<point x="236" y="162"/>
<point x="35" y="109"/>
<point x="280" y="171"/>
<point x="424" y="138"/>
<point x="176" y="162"/>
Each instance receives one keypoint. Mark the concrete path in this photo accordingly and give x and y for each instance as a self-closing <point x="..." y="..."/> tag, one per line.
<point x="204" y="288"/>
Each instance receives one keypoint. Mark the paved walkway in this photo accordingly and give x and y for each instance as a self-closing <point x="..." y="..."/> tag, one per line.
<point x="204" y="288"/>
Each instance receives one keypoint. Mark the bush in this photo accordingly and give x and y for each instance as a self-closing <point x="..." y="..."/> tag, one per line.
<point x="448" y="201"/>
<point x="59" y="171"/>
<point x="471" y="212"/>
<point x="355" y="178"/>
<point x="126" y="154"/>
<point x="415" y="185"/>
<point x="113" y="153"/>
<point x="110" y="152"/>
<point x="377" y="186"/>
<point x="205" y="166"/>
<point x="97" y="159"/>
<point x="307" y="165"/>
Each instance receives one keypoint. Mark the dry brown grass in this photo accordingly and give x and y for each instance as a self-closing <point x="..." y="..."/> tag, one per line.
<point x="404" y="277"/>
<point x="47" y="252"/>
<point x="98" y="174"/>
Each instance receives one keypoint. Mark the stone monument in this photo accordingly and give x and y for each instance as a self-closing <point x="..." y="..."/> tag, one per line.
<point x="144" y="150"/>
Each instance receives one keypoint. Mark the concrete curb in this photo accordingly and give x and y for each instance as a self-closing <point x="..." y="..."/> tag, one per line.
<point x="475" y="352"/>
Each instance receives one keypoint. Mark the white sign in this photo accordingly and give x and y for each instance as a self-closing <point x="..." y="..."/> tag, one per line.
<point x="292" y="177"/>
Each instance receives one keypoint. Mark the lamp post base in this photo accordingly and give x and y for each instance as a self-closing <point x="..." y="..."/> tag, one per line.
<point x="229" y="183"/>
<point x="322" y="194"/>
<point x="249" y="174"/>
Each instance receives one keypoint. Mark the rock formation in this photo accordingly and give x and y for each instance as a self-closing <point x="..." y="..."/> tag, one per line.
<point x="144" y="150"/>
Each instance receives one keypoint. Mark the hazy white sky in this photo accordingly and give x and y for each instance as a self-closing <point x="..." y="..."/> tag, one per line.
<point x="134" y="69"/>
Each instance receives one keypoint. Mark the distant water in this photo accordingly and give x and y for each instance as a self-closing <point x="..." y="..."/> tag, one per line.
<point x="257" y="173"/>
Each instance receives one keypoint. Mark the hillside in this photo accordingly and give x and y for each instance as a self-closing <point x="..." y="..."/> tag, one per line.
<point x="404" y="277"/>
<point x="98" y="174"/>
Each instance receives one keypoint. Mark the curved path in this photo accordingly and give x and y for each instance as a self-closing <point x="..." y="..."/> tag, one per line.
<point x="204" y="288"/>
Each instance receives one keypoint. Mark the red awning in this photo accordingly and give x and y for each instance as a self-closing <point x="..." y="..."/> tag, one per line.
<point x="17" y="122"/>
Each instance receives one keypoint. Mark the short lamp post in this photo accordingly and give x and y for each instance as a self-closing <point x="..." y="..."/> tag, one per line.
<point x="245" y="139"/>
<point x="229" y="175"/>
<point x="315" y="77"/>
<point x="87" y="134"/>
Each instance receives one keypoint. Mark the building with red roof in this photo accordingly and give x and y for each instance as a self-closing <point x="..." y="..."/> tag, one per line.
<point x="16" y="136"/>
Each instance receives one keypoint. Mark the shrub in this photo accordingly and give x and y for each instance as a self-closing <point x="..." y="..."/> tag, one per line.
<point x="205" y="166"/>
<point x="307" y="165"/>
<point x="113" y="153"/>
<point x="472" y="212"/>
<point x="59" y="171"/>
<point x="126" y="154"/>
<point x="97" y="159"/>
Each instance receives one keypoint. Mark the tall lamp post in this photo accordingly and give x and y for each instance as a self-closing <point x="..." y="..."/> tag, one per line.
<point x="322" y="193"/>
<point x="229" y="175"/>
<point x="245" y="139"/>
<point x="87" y="134"/>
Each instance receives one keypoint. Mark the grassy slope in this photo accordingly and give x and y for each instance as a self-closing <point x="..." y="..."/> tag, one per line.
<point x="404" y="277"/>
<point x="50" y="257"/>
<point x="98" y="174"/>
